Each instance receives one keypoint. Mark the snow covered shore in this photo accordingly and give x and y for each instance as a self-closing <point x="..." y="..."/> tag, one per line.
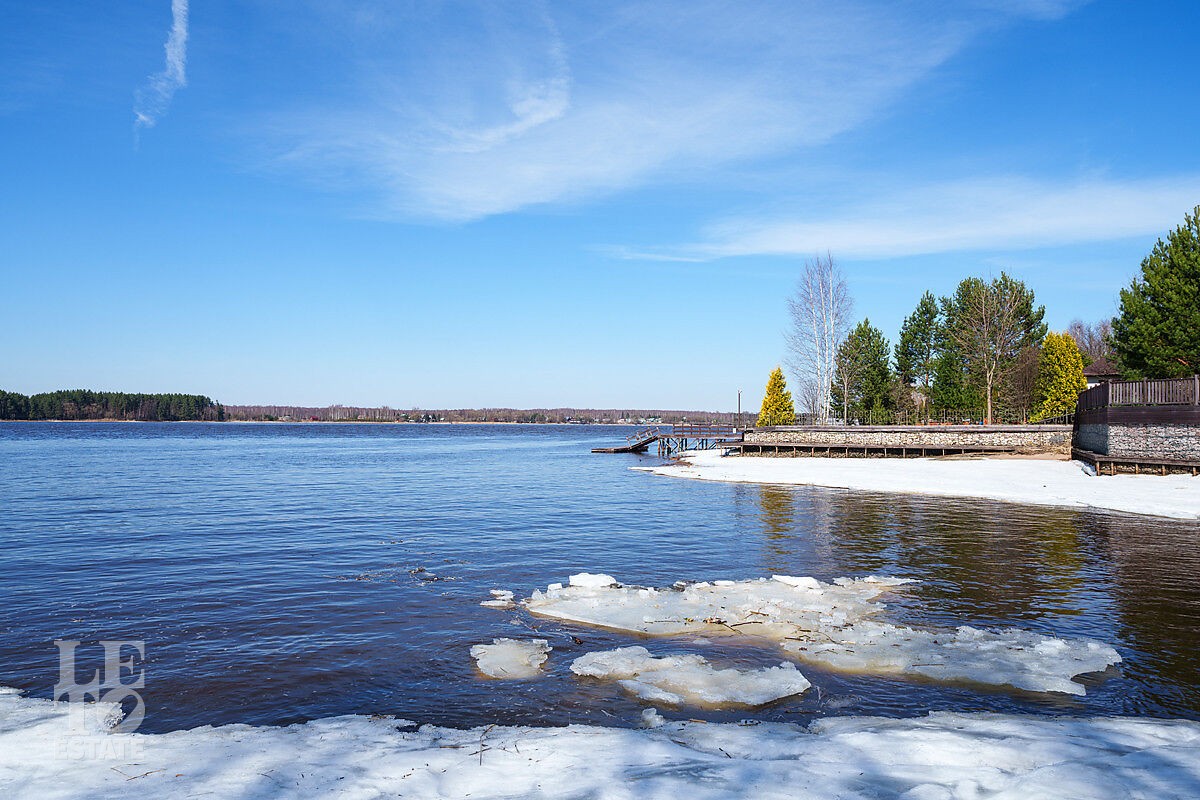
<point x="1034" y="481"/>
<point x="940" y="756"/>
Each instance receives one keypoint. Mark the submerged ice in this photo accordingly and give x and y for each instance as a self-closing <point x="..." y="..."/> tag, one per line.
<point x="690" y="679"/>
<point x="511" y="658"/>
<point x="830" y="624"/>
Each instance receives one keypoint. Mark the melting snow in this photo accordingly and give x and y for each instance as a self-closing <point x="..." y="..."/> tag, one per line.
<point x="829" y="624"/>
<point x="940" y="756"/>
<point x="511" y="658"/>
<point x="1016" y="480"/>
<point x="690" y="679"/>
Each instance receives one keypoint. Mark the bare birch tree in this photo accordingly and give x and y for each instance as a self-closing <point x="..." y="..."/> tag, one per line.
<point x="820" y="309"/>
<point x="990" y="324"/>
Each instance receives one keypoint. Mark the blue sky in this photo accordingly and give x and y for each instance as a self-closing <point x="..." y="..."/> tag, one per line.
<point x="543" y="204"/>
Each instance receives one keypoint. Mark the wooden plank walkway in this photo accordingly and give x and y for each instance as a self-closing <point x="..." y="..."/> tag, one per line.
<point x="863" y="450"/>
<point x="1138" y="464"/>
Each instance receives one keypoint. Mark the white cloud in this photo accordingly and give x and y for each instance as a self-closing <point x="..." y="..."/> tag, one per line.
<point x="151" y="101"/>
<point x="500" y="108"/>
<point x="1008" y="213"/>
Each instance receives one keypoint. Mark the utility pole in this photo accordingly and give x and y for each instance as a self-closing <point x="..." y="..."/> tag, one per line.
<point x="739" y="416"/>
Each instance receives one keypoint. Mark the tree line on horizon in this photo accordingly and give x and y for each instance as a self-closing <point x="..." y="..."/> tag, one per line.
<point x="533" y="416"/>
<point x="84" y="404"/>
<point x="983" y="352"/>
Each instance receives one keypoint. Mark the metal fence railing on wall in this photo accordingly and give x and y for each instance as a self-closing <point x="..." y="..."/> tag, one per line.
<point x="943" y="416"/>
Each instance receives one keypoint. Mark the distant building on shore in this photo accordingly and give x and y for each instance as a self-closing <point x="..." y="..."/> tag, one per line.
<point x="1100" y="371"/>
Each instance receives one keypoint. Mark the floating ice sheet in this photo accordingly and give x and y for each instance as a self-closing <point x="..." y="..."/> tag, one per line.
<point x="501" y="598"/>
<point x="1014" y="658"/>
<point x="511" y="658"/>
<point x="764" y="607"/>
<point x="689" y="679"/>
<point x="830" y="624"/>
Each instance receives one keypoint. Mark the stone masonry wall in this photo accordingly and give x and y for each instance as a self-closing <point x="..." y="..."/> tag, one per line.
<point x="1159" y="442"/>
<point x="1022" y="437"/>
<point x="1093" y="437"/>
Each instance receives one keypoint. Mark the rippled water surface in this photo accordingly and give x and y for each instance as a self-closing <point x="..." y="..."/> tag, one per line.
<point x="279" y="573"/>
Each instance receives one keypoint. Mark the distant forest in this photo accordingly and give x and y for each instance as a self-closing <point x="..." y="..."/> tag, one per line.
<point x="527" y="415"/>
<point x="82" y="404"/>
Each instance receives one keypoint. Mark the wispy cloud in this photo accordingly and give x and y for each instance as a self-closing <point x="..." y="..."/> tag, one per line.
<point x="151" y="101"/>
<point x="1008" y="213"/>
<point x="496" y="108"/>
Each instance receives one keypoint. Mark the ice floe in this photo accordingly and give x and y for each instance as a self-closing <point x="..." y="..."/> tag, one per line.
<point x="590" y="580"/>
<point x="511" y="658"/>
<point x="774" y="607"/>
<point x="1016" y="658"/>
<point x="830" y="624"/>
<point x="690" y="679"/>
<point x="501" y="598"/>
<point x="943" y="755"/>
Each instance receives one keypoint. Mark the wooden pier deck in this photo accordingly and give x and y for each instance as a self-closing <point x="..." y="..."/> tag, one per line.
<point x="673" y="439"/>
<point x="634" y="443"/>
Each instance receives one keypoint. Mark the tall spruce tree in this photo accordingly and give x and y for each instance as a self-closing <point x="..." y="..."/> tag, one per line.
<point x="917" y="350"/>
<point x="1059" y="376"/>
<point x="777" y="407"/>
<point x="1157" y="332"/>
<point x="863" y="381"/>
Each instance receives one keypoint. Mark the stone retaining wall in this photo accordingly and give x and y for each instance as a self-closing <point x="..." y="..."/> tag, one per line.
<point x="1161" y="442"/>
<point x="1028" y="438"/>
<point x="1093" y="437"/>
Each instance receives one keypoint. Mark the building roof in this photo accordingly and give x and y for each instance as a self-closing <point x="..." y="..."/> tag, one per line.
<point x="1101" y="368"/>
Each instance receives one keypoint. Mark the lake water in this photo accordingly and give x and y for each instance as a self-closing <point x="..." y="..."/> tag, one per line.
<point x="280" y="573"/>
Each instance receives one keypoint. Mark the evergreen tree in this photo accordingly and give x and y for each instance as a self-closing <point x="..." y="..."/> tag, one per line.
<point x="1059" y="376"/>
<point x="1157" y="332"/>
<point x="917" y="350"/>
<point x="863" y="380"/>
<point x="777" y="408"/>
<point x="13" y="405"/>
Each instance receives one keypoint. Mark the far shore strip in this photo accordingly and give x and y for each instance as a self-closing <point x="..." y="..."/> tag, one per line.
<point x="1018" y="480"/>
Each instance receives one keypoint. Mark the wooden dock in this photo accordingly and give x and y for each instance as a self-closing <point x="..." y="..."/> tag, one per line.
<point x="673" y="439"/>
<point x="634" y="443"/>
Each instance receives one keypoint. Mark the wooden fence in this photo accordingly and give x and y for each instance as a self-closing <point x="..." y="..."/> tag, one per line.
<point x="1176" y="392"/>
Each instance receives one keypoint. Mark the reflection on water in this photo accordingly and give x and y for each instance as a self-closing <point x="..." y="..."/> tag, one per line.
<point x="280" y="573"/>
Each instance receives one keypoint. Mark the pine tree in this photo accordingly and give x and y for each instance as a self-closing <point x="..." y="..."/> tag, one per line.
<point x="863" y="381"/>
<point x="777" y="408"/>
<point x="1059" y="376"/>
<point x="917" y="350"/>
<point x="1157" y="333"/>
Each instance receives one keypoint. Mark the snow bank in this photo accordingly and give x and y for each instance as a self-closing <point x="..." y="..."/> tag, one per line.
<point x="1039" y="482"/>
<point x="690" y="679"/>
<point x="939" y="756"/>
<point x="511" y="658"/>
<point x="830" y="624"/>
